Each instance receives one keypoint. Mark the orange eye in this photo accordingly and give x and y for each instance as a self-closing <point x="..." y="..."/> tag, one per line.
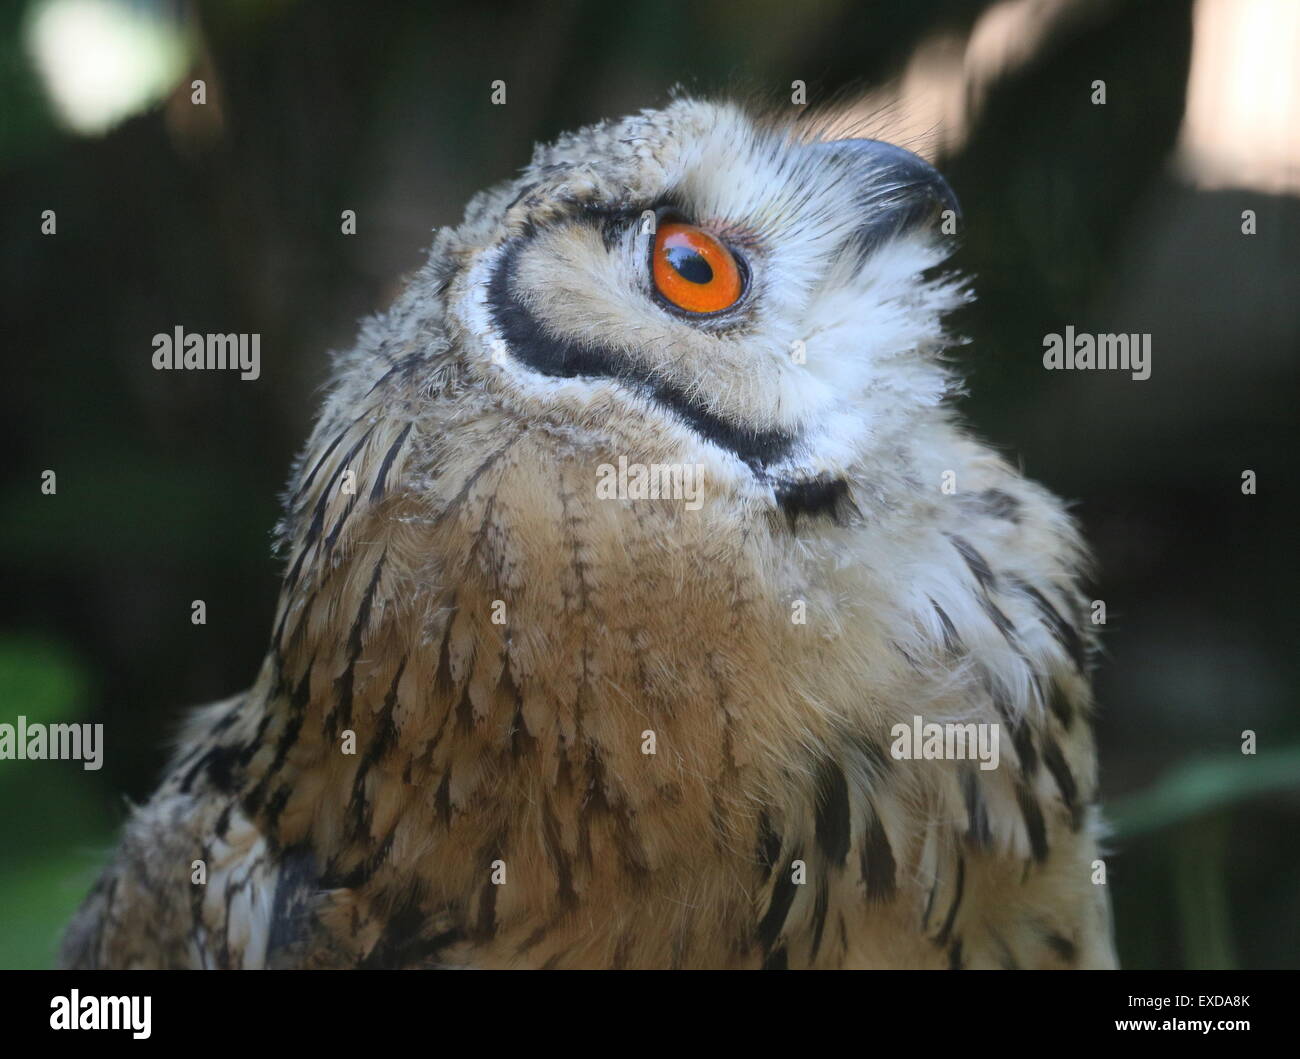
<point x="693" y="270"/>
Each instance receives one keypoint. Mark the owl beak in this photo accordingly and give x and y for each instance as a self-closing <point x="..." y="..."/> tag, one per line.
<point x="900" y="192"/>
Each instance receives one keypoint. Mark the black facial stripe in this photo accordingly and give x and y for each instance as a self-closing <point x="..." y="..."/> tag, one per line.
<point x="530" y="343"/>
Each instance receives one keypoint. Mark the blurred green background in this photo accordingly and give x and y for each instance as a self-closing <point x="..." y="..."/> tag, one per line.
<point x="1121" y="217"/>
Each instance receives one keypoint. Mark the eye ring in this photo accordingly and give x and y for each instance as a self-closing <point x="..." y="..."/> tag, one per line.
<point x="694" y="273"/>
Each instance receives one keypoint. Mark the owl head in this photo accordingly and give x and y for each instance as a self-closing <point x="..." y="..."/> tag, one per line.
<point x="704" y="286"/>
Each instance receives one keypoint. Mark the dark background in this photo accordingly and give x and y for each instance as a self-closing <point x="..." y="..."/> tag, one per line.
<point x="226" y="218"/>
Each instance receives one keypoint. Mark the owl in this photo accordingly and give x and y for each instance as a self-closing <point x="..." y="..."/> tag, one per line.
<point x="646" y="605"/>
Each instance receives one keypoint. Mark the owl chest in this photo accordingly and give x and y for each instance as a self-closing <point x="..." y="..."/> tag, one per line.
<point x="673" y="763"/>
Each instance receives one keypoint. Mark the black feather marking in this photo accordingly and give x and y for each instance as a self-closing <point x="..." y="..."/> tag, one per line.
<point x="783" y="894"/>
<point x="522" y="743"/>
<point x="403" y="943"/>
<point x="318" y="515"/>
<point x="288" y="737"/>
<point x="998" y="695"/>
<point x="978" y="831"/>
<point x="442" y="799"/>
<point x="523" y="192"/>
<point x="1034" y="826"/>
<point x="465" y="711"/>
<point x="999" y="619"/>
<point x="878" y="868"/>
<point x="1022" y="738"/>
<point x="384" y="739"/>
<point x="539" y="935"/>
<point x="442" y="677"/>
<point x="324" y="456"/>
<point x="1062" y="946"/>
<point x="769" y="845"/>
<point x="247" y="752"/>
<point x="945" y="932"/>
<point x="874" y="758"/>
<point x="403" y="366"/>
<point x="363" y="612"/>
<point x="812" y="497"/>
<point x="832" y="812"/>
<point x="218" y="765"/>
<point x="337" y="529"/>
<point x="340" y="716"/>
<point x="777" y="960"/>
<point x="1006" y="958"/>
<point x="1060" y="770"/>
<point x="951" y="641"/>
<point x="295" y="889"/>
<point x="1064" y="633"/>
<point x="999" y="504"/>
<point x="556" y="854"/>
<point x="486" y="925"/>
<point x="979" y="567"/>
<point x="1059" y="703"/>
<point x="275" y="806"/>
<point x="821" y="905"/>
<point x="381" y="479"/>
<point x="472" y="478"/>
<point x="364" y="870"/>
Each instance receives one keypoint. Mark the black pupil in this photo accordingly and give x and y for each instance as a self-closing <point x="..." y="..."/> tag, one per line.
<point x="690" y="265"/>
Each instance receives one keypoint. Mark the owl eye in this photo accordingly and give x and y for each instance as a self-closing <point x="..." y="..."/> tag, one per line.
<point x="693" y="271"/>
